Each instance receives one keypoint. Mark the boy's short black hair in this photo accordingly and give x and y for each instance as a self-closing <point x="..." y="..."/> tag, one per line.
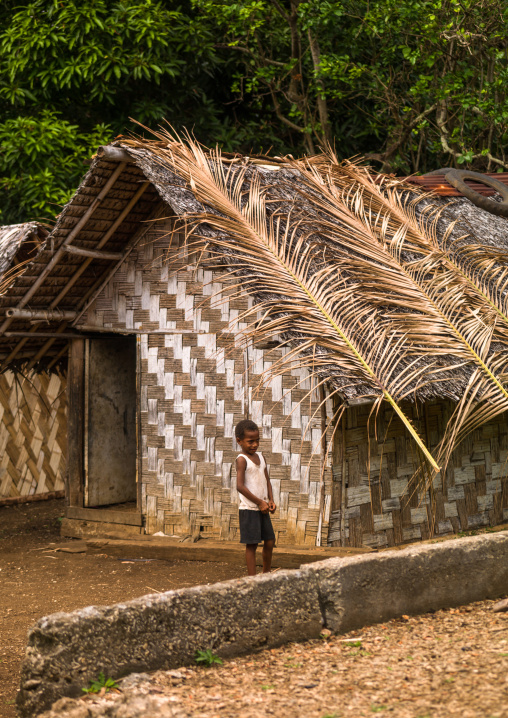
<point x="243" y="426"/>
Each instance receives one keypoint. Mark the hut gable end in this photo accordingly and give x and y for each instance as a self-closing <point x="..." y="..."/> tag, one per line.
<point x="196" y="382"/>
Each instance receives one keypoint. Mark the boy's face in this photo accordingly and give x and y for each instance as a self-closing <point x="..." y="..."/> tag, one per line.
<point x="250" y="442"/>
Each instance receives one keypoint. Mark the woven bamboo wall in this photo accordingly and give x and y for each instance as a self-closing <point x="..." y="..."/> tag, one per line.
<point x="383" y="509"/>
<point x="33" y="434"/>
<point x="195" y="386"/>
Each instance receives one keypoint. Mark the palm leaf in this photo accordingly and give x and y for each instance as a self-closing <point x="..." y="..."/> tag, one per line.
<point x="305" y="293"/>
<point x="437" y="315"/>
<point x="480" y="270"/>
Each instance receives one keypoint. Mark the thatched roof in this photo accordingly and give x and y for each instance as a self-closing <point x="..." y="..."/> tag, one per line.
<point x="18" y="242"/>
<point x="124" y="187"/>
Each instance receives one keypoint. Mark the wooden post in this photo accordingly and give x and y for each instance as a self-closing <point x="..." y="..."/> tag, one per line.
<point x="139" y="460"/>
<point x="343" y="479"/>
<point x="324" y="453"/>
<point x="339" y="490"/>
<point x="76" y="408"/>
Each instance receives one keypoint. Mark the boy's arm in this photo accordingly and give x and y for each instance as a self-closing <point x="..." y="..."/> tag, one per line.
<point x="271" y="502"/>
<point x="241" y="465"/>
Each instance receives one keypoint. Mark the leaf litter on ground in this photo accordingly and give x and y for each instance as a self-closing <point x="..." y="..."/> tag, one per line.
<point x="449" y="664"/>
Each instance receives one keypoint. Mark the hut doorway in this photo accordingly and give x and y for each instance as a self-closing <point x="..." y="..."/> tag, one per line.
<point x="110" y="421"/>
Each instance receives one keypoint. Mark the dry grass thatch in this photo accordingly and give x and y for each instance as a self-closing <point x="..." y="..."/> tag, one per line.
<point x="19" y="243"/>
<point x="371" y="283"/>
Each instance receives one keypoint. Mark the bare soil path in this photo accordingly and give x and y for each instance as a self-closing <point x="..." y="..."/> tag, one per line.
<point x="35" y="581"/>
<point x="449" y="664"/>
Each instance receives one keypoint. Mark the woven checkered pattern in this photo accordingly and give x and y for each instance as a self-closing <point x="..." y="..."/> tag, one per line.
<point x="382" y="507"/>
<point x="197" y="381"/>
<point x="33" y="434"/>
<point x="196" y="385"/>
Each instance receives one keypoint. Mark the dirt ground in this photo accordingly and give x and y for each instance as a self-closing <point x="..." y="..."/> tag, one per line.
<point x="450" y="663"/>
<point x="35" y="582"/>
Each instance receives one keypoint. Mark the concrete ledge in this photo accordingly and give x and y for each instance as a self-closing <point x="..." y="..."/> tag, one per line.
<point x="164" y="631"/>
<point x="360" y="591"/>
<point x="66" y="650"/>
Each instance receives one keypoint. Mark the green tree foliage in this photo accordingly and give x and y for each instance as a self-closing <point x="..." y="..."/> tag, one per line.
<point x="413" y="85"/>
<point x="72" y="73"/>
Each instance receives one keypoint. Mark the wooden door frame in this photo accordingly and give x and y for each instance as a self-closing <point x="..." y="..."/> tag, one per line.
<point x="75" y="479"/>
<point x="75" y="423"/>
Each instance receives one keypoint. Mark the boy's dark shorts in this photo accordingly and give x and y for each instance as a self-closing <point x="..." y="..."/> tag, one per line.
<point x="255" y="527"/>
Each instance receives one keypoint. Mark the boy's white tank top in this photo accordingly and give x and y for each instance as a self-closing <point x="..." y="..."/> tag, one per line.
<point x="255" y="481"/>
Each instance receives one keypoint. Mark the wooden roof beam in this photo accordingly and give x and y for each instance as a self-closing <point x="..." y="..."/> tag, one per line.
<point x="57" y="256"/>
<point x="93" y="253"/>
<point x="126" y="210"/>
<point x="114" y="154"/>
<point x="60" y="251"/>
<point x="42" y="314"/>
<point x="97" y="288"/>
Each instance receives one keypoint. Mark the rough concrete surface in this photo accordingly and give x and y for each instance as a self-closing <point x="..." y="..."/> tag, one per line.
<point x="369" y="589"/>
<point x="65" y="651"/>
<point x="128" y="706"/>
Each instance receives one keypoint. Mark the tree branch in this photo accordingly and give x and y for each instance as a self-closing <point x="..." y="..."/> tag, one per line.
<point x="246" y="51"/>
<point x="385" y="156"/>
<point x="321" y="99"/>
<point x="444" y="134"/>
<point x="281" y="117"/>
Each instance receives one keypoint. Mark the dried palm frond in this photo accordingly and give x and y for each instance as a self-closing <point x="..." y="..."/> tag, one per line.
<point x="306" y="294"/>
<point x="408" y="217"/>
<point x="463" y="314"/>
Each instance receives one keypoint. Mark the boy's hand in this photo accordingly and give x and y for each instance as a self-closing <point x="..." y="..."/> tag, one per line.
<point x="264" y="507"/>
<point x="271" y="507"/>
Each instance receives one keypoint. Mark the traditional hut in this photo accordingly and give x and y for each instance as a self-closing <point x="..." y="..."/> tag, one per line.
<point x="33" y="422"/>
<point x="166" y="354"/>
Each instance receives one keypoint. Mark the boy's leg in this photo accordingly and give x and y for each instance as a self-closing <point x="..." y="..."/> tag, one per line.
<point x="250" y="556"/>
<point x="267" y="555"/>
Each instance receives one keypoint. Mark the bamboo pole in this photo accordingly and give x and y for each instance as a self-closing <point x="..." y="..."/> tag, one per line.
<point x="324" y="453"/>
<point x="343" y="483"/>
<point x="93" y="253"/>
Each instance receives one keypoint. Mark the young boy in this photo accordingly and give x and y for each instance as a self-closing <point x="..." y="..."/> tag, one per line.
<point x="256" y="498"/>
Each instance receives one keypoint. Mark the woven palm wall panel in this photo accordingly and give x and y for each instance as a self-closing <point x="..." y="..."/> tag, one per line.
<point x="33" y="434"/>
<point x="196" y="383"/>
<point x="382" y="507"/>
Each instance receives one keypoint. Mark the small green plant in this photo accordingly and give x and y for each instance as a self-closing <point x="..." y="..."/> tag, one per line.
<point x="353" y="644"/>
<point x="377" y="709"/>
<point x="268" y="687"/>
<point x="101" y="682"/>
<point x="207" y="658"/>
